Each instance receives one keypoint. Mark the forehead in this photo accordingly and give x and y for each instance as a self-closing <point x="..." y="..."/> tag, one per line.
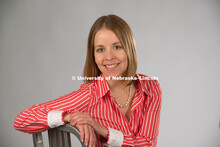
<point x="105" y="36"/>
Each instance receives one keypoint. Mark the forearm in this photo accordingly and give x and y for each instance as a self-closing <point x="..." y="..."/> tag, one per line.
<point x="71" y="118"/>
<point x="32" y="120"/>
<point x="38" y="118"/>
<point x="102" y="130"/>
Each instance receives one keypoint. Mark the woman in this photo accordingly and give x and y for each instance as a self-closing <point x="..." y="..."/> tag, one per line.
<point x="119" y="108"/>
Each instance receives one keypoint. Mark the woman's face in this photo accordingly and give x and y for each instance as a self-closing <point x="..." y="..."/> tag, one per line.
<point x="110" y="56"/>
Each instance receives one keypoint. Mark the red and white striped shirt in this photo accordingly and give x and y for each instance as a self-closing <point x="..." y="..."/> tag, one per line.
<point x="95" y="99"/>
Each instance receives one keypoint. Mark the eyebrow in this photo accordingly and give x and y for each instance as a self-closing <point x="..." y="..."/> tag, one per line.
<point x="98" y="46"/>
<point x="102" y="45"/>
<point x="116" y="43"/>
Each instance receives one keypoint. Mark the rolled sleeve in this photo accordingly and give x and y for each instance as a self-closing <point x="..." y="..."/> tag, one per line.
<point x="55" y="118"/>
<point x="115" y="138"/>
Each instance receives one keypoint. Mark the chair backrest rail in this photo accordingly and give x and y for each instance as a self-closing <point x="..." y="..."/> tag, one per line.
<point x="58" y="137"/>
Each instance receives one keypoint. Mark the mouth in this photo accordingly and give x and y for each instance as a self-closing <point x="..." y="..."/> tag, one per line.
<point x="112" y="66"/>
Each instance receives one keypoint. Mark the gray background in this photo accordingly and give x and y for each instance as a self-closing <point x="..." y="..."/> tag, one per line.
<point x="43" y="44"/>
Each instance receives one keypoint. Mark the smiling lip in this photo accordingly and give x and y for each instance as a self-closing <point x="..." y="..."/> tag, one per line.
<point x="111" y="66"/>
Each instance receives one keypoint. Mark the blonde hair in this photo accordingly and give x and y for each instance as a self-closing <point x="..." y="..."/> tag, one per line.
<point x="124" y="34"/>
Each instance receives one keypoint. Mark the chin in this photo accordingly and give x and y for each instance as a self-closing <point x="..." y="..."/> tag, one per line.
<point x="113" y="75"/>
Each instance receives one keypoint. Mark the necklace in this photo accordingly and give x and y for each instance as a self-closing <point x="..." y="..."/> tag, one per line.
<point x="129" y="97"/>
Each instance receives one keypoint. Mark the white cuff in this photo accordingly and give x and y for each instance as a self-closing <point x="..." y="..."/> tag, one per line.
<point x="115" y="138"/>
<point x="54" y="119"/>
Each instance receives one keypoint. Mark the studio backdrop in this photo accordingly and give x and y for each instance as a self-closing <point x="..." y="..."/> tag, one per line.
<point x="43" y="45"/>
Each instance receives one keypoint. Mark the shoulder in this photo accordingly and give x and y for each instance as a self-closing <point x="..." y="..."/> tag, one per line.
<point x="150" y="84"/>
<point x="86" y="87"/>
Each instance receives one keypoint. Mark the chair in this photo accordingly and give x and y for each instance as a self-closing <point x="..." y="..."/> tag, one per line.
<point x="58" y="137"/>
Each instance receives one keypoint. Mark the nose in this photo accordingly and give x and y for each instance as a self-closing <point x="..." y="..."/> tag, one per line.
<point x="109" y="55"/>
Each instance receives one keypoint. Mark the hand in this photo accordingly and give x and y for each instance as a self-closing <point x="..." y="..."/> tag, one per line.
<point x="78" y="117"/>
<point x="87" y="134"/>
<point x="82" y="118"/>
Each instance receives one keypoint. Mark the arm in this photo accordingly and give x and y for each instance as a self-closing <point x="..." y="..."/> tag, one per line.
<point x="148" y="127"/>
<point x="109" y="136"/>
<point x="147" y="136"/>
<point x="38" y="118"/>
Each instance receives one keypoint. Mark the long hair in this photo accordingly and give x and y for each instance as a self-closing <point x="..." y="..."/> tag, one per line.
<point x="124" y="34"/>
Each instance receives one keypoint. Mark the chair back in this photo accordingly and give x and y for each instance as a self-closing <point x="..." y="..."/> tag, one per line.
<point x="58" y="137"/>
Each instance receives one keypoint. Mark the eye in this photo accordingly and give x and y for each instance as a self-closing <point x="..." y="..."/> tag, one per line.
<point x="117" y="47"/>
<point x="99" y="50"/>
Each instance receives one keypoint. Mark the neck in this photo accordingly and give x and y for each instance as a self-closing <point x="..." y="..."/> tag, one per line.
<point x="116" y="85"/>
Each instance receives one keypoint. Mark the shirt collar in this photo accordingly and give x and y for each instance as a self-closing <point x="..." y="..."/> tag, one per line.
<point x="143" y="83"/>
<point x="101" y="86"/>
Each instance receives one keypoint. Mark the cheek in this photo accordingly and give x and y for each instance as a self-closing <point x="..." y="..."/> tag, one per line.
<point x="98" y="60"/>
<point x="124" y="58"/>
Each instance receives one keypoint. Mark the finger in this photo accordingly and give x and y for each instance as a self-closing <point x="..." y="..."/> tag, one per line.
<point x="87" y="135"/>
<point x="83" y="122"/>
<point x="77" y="121"/>
<point x="92" y="140"/>
<point x="74" y="119"/>
<point x="77" y="116"/>
<point x="82" y="132"/>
